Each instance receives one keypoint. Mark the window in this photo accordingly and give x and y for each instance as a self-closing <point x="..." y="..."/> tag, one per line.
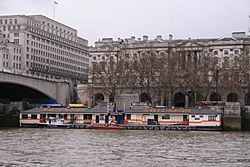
<point x="216" y="52"/>
<point x="5" y="21"/>
<point x="101" y="116"/>
<point x="33" y="116"/>
<point x="236" y="52"/>
<point x="87" y="116"/>
<point x="16" y="34"/>
<point x="15" y="21"/>
<point x="128" y="116"/>
<point x="10" y="21"/>
<point x="201" y="116"/>
<point x="197" y="119"/>
<point x="247" y="52"/>
<point x="16" y="41"/>
<point x="226" y="52"/>
<point x="193" y="116"/>
<point x="24" y="116"/>
<point x="65" y="116"/>
<point x="226" y="62"/>
<point x="212" y="117"/>
<point x="167" y="116"/>
<point x="246" y="78"/>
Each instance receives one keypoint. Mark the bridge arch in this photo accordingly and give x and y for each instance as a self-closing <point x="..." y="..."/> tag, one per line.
<point x="57" y="90"/>
<point x="18" y="92"/>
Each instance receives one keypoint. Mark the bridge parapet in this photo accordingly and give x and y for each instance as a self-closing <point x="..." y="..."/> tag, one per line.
<point x="56" y="90"/>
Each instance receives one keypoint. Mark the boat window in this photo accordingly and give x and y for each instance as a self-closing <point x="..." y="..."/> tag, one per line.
<point x="87" y="116"/>
<point x="33" y="116"/>
<point x="211" y="117"/>
<point x="128" y="116"/>
<point x="193" y="116"/>
<point x="24" y="116"/>
<point x="201" y="116"/>
<point x="167" y="116"/>
<point x="197" y="119"/>
<point x="101" y="116"/>
<point x="65" y="116"/>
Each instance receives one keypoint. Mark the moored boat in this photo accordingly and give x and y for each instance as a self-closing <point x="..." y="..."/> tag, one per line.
<point x="113" y="127"/>
<point x="53" y="123"/>
<point x="100" y="118"/>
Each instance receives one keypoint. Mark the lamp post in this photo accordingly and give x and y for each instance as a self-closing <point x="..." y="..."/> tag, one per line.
<point x="216" y="83"/>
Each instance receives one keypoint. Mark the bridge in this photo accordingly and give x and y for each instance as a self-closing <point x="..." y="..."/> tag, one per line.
<point x="17" y="86"/>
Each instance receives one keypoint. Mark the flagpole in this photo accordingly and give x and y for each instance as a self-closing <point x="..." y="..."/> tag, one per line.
<point x="54" y="9"/>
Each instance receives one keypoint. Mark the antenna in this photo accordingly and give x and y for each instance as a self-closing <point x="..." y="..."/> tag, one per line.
<point x="249" y="27"/>
<point x="55" y="3"/>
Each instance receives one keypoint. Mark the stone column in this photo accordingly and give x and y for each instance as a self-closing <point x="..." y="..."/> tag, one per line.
<point x="186" y="101"/>
<point x="162" y="98"/>
<point x="170" y="99"/>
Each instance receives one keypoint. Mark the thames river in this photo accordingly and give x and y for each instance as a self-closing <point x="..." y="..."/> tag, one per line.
<point x="84" y="147"/>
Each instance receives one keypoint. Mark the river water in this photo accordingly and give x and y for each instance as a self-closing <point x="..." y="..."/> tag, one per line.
<point x="85" y="147"/>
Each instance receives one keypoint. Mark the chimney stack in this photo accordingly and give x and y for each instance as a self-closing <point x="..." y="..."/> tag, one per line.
<point x="145" y="38"/>
<point x="170" y="36"/>
<point x="159" y="37"/>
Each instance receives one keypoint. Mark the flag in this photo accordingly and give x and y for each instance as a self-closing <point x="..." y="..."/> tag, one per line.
<point x="55" y="2"/>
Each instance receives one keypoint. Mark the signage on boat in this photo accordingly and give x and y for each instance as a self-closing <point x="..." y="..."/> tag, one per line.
<point x="171" y="110"/>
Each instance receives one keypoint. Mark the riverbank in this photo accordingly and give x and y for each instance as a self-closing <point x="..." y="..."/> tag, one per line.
<point x="9" y="120"/>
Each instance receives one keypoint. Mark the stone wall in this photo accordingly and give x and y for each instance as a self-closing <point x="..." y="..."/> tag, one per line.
<point x="124" y="101"/>
<point x="232" y="116"/>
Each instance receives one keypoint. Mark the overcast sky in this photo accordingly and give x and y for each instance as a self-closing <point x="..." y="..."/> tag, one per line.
<point x="96" y="19"/>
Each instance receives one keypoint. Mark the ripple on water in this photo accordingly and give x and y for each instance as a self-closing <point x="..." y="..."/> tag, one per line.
<point x="81" y="147"/>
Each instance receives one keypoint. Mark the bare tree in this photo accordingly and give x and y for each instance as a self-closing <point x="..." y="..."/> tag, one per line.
<point x="108" y="75"/>
<point x="146" y="73"/>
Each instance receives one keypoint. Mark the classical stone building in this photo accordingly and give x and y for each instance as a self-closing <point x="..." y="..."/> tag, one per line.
<point x="39" y="46"/>
<point x="226" y="51"/>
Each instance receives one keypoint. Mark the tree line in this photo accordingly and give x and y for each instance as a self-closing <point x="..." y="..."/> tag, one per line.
<point x="195" y="73"/>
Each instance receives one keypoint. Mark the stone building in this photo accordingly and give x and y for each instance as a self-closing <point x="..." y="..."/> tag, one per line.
<point x="39" y="46"/>
<point x="226" y="51"/>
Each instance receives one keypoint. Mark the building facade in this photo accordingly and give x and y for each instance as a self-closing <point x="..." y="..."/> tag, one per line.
<point x="39" y="46"/>
<point x="226" y="51"/>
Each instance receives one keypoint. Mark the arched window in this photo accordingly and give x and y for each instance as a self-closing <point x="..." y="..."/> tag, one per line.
<point x="191" y="99"/>
<point x="111" y="98"/>
<point x="99" y="97"/>
<point x="179" y="100"/>
<point x="144" y="97"/>
<point x="215" y="97"/>
<point x="247" y="99"/>
<point x="232" y="97"/>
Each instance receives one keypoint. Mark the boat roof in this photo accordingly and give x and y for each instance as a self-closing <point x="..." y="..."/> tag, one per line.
<point x="147" y="110"/>
<point x="32" y="111"/>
